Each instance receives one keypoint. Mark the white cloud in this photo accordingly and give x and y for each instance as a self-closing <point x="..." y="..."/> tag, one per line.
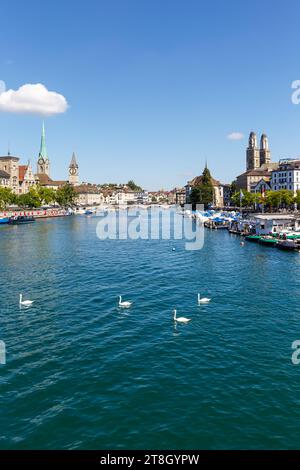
<point x="235" y="136"/>
<point x="33" y="99"/>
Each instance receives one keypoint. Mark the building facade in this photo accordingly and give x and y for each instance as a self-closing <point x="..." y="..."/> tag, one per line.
<point x="74" y="171"/>
<point x="180" y="197"/>
<point x="89" y="195"/>
<point x="10" y="165"/>
<point x="4" y="179"/>
<point x="227" y="193"/>
<point x="258" y="164"/>
<point x="286" y="176"/>
<point x="26" y="178"/>
<point x="262" y="186"/>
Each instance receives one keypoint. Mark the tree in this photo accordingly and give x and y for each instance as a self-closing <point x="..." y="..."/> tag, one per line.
<point x="46" y="195"/>
<point x="233" y="187"/>
<point x="131" y="185"/>
<point x="247" y="200"/>
<point x="297" y="199"/>
<point x="286" y="197"/>
<point x="7" y="197"/>
<point x="204" y="192"/>
<point x="65" y="196"/>
<point x="30" y="199"/>
<point x="281" y="198"/>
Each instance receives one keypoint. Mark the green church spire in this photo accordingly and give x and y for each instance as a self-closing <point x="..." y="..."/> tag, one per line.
<point x="43" y="151"/>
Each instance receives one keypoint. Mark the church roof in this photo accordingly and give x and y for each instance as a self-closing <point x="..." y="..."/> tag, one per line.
<point x="43" y="150"/>
<point x="197" y="181"/>
<point x="45" y="180"/>
<point x="73" y="163"/>
<point x="258" y="172"/>
<point x="262" y="182"/>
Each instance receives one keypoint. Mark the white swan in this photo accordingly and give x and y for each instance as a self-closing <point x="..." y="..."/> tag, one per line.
<point x="124" y="304"/>
<point x="180" y="319"/>
<point x="25" y="303"/>
<point x="204" y="300"/>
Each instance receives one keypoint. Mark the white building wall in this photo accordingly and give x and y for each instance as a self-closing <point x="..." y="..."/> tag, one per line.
<point x="286" y="179"/>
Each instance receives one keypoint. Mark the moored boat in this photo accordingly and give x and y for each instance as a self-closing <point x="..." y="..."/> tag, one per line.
<point x="268" y="241"/>
<point x="289" y="245"/>
<point x="4" y="220"/>
<point x="21" y="219"/>
<point x="253" y="238"/>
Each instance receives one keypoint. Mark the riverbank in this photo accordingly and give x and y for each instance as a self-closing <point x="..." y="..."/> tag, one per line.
<point x="36" y="213"/>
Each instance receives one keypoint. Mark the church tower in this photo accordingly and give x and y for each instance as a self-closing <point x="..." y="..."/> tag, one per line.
<point x="43" y="166"/>
<point x="73" y="171"/>
<point x="253" y="156"/>
<point x="264" y="153"/>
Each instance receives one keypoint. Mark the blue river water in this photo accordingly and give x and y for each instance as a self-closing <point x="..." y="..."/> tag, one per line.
<point x="81" y="373"/>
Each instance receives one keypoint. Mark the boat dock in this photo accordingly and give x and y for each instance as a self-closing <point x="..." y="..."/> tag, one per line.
<point x="280" y="231"/>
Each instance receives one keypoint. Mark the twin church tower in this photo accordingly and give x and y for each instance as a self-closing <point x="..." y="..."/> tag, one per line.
<point x="257" y="157"/>
<point x="43" y="165"/>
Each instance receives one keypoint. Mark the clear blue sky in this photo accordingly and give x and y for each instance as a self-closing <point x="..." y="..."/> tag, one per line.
<point x="154" y="87"/>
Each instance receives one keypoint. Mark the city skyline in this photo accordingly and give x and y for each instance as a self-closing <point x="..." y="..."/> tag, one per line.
<point x="153" y="109"/>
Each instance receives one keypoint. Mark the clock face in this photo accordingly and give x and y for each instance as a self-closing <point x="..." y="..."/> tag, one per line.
<point x="41" y="161"/>
<point x="73" y="171"/>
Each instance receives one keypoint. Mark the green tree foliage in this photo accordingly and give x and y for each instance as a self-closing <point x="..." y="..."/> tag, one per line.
<point x="31" y="199"/>
<point x="46" y="195"/>
<point x="297" y="199"/>
<point x="279" y="199"/>
<point x="272" y="199"/>
<point x="248" y="199"/>
<point x="7" y="197"/>
<point x="134" y="187"/>
<point x="233" y="187"/>
<point x="66" y="195"/>
<point x="204" y="192"/>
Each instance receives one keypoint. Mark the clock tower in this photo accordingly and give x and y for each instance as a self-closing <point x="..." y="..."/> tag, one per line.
<point x="73" y="171"/>
<point x="43" y="166"/>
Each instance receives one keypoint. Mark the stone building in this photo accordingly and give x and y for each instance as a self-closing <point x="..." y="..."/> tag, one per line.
<point x="4" y="179"/>
<point x="26" y="178"/>
<point x="180" y="197"/>
<point x="89" y="195"/>
<point x="10" y="165"/>
<point x="258" y="164"/>
<point x="74" y="171"/>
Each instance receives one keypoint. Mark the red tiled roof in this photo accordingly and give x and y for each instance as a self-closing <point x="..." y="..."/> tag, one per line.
<point x="22" y="171"/>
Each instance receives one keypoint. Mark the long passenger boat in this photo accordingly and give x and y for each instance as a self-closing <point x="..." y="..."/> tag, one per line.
<point x="21" y="219"/>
